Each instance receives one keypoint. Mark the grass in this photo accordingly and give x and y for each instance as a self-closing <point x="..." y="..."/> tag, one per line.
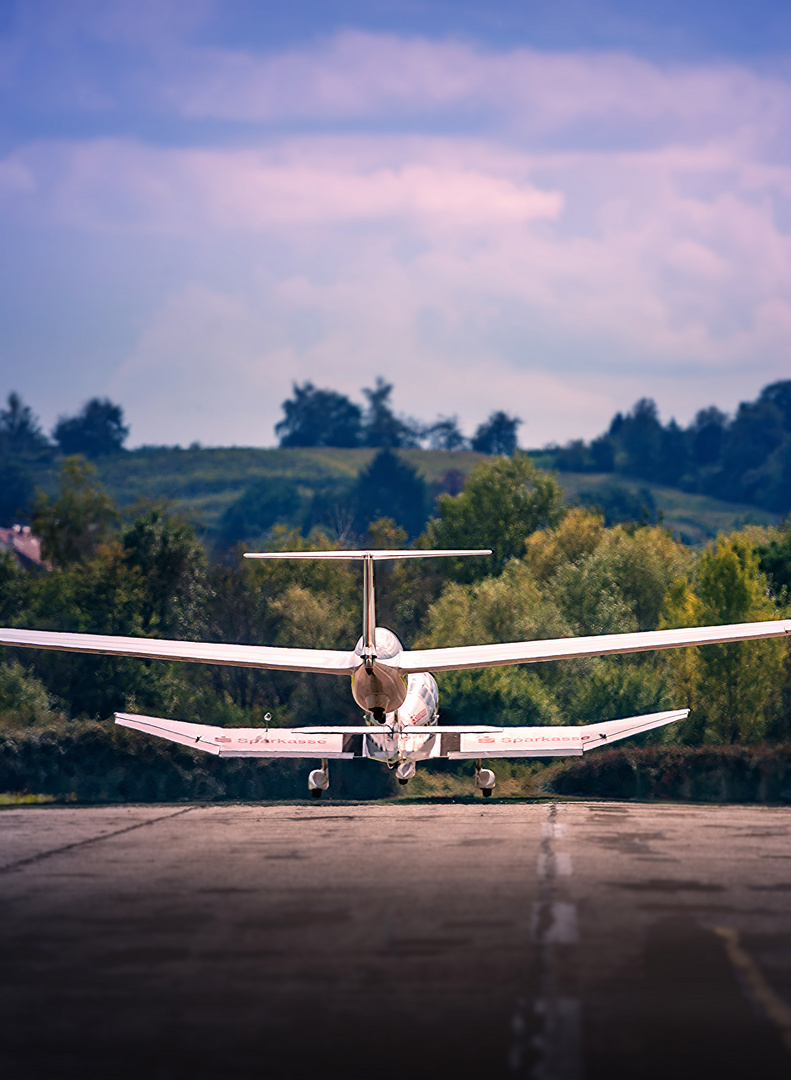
<point x="693" y="518"/>
<point x="26" y="799"/>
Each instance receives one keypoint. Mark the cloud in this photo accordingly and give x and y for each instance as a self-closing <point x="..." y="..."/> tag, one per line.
<point x="112" y="184"/>
<point x="556" y="234"/>
<point x="524" y="91"/>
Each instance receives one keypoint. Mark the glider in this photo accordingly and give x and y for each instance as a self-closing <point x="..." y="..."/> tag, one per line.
<point x="394" y="687"/>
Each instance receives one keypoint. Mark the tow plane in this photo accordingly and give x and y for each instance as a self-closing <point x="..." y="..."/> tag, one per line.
<point x="394" y="687"/>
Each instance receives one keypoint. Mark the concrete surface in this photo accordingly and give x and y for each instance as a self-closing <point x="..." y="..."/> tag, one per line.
<point x="554" y="941"/>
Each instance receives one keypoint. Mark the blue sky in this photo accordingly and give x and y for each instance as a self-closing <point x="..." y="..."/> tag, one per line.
<point x="553" y="208"/>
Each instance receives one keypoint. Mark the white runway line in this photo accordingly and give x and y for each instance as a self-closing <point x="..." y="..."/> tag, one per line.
<point x="554" y="863"/>
<point x="546" y="1037"/>
<point x="555" y="923"/>
<point x="560" y="1043"/>
<point x="550" y="829"/>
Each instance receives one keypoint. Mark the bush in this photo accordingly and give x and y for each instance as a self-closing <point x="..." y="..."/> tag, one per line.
<point x="99" y="763"/>
<point x="738" y="774"/>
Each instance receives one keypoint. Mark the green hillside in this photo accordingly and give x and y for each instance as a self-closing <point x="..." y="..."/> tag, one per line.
<point x="203" y="483"/>
<point x="692" y="518"/>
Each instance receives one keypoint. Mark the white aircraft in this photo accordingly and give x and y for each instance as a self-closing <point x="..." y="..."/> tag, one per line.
<point x="393" y="687"/>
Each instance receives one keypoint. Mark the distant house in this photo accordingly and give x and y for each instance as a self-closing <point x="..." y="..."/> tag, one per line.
<point x="25" y="546"/>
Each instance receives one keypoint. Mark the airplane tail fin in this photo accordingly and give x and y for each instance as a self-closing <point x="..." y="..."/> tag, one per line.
<point x="367" y="558"/>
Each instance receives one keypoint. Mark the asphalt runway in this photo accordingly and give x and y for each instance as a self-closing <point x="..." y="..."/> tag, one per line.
<point x="557" y="941"/>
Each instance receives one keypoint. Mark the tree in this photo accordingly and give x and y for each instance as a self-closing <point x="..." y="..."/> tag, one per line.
<point x="392" y="488"/>
<point x="97" y="430"/>
<point x="775" y="561"/>
<point x="16" y="492"/>
<point x="20" y="431"/>
<point x="80" y="518"/>
<point x="639" y="438"/>
<point x="602" y="452"/>
<point x="444" y="434"/>
<point x="708" y="435"/>
<point x="734" y="690"/>
<point x="497" y="435"/>
<point x="265" y="503"/>
<point x="779" y="395"/>
<point x="319" y="418"/>
<point x="382" y="427"/>
<point x="162" y="550"/>
<point x="502" y="503"/>
<point x="756" y="430"/>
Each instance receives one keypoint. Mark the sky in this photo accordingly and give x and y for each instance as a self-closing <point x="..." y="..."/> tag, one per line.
<point x="552" y="207"/>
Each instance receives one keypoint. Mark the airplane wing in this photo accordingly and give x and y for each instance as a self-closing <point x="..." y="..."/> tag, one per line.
<point x="516" y="742"/>
<point x="528" y="652"/>
<point x="251" y="742"/>
<point x="198" y="652"/>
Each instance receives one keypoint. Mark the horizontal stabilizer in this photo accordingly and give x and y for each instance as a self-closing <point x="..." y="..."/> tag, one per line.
<point x="516" y="742"/>
<point x="249" y="742"/>
<point x="376" y="556"/>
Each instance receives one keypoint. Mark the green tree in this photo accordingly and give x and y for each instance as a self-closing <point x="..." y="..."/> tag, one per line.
<point x="382" y="427"/>
<point x="735" y="691"/>
<point x="503" y="502"/>
<point x="163" y="551"/>
<point x="20" y="431"/>
<point x="390" y="487"/>
<point x="98" y="429"/>
<point x="497" y="435"/>
<point x="79" y="519"/>
<point x="16" y="492"/>
<point x="24" y="701"/>
<point x="319" y="418"/>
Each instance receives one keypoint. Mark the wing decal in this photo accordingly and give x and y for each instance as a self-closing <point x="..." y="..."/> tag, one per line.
<point x="529" y="652"/>
<point x="198" y="652"/>
<point x="558" y="741"/>
<point x="249" y="742"/>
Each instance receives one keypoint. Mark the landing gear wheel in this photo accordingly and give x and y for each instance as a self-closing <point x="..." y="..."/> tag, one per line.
<point x="379" y="715"/>
<point x="316" y="792"/>
<point x="403" y="783"/>
<point x="486" y="792"/>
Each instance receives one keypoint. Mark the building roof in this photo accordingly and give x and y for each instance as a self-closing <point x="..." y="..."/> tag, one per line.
<point x="25" y="545"/>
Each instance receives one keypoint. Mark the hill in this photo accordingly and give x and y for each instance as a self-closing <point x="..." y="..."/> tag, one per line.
<point x="204" y="483"/>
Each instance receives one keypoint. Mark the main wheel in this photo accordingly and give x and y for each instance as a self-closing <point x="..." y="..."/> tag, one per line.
<point x="316" y="792"/>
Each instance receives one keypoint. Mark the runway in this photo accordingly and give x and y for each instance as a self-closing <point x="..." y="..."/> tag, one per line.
<point x="557" y="941"/>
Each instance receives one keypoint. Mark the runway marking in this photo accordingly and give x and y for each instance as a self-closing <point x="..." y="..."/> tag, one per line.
<point x="546" y="1034"/>
<point x="772" y="1004"/>
<point x="551" y="829"/>
<point x="90" y="840"/>
<point x="560" y="1043"/>
<point x="554" y="862"/>
<point x="555" y="923"/>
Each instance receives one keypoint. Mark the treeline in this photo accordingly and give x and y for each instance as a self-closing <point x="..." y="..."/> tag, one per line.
<point x="316" y="417"/>
<point x="743" y="458"/>
<point x="554" y="571"/>
<point x="387" y="487"/>
<point x="96" y="431"/>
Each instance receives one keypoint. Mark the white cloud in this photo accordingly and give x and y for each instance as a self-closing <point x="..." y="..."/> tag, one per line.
<point x="365" y="76"/>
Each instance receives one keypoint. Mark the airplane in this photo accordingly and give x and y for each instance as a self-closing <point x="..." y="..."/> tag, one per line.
<point x="394" y="687"/>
